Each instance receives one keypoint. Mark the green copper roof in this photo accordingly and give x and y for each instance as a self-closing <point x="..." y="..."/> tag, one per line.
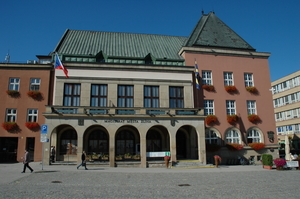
<point x="210" y="31"/>
<point x="114" y="44"/>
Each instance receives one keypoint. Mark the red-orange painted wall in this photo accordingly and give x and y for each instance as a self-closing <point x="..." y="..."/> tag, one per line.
<point x="23" y="103"/>
<point x="259" y="67"/>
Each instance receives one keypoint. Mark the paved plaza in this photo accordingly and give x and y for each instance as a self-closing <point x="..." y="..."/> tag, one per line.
<point x="65" y="181"/>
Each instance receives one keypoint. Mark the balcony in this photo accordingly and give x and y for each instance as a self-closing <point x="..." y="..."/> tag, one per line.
<point x="81" y="111"/>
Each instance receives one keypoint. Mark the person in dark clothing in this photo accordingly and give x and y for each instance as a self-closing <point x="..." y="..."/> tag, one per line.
<point x="53" y="154"/>
<point x="83" y="160"/>
<point x="26" y="160"/>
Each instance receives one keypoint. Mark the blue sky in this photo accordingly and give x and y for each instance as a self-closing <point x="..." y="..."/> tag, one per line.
<point x="34" y="27"/>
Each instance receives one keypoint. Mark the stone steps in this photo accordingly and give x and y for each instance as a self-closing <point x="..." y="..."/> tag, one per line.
<point x="190" y="164"/>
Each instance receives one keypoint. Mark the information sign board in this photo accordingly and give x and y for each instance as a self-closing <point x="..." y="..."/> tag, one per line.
<point x="44" y="132"/>
<point x="158" y="154"/>
<point x="292" y="163"/>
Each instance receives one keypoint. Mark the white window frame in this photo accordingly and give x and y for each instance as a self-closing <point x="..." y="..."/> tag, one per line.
<point x="248" y="77"/>
<point x="212" y="137"/>
<point x="254" y="134"/>
<point x="207" y="77"/>
<point x="251" y="107"/>
<point x="209" y="107"/>
<point x="32" y="115"/>
<point x="228" y="79"/>
<point x="35" y="84"/>
<point x="11" y="115"/>
<point x="230" y="107"/>
<point x="14" y="83"/>
<point x="233" y="136"/>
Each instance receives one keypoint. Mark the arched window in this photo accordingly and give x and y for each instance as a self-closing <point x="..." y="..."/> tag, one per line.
<point x="232" y="136"/>
<point x="253" y="136"/>
<point x="153" y="141"/>
<point x="211" y="137"/>
<point x="68" y="142"/>
<point x="98" y="142"/>
<point x="125" y="143"/>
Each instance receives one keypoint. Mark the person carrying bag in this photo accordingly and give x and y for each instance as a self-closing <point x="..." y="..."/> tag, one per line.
<point x="83" y="160"/>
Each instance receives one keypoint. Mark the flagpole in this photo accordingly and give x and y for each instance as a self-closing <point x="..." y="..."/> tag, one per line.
<point x="197" y="83"/>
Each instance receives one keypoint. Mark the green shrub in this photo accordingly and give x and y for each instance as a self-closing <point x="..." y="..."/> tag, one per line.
<point x="267" y="159"/>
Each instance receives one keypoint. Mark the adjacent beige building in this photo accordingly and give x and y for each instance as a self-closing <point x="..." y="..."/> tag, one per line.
<point x="286" y="101"/>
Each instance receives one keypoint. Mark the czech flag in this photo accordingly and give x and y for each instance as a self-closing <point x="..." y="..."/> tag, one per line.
<point x="59" y="65"/>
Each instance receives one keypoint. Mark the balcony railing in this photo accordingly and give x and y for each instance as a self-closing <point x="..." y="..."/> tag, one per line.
<point x="119" y="111"/>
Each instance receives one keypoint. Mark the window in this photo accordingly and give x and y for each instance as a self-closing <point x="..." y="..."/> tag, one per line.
<point x="14" y="84"/>
<point x="125" y="143"/>
<point x="154" y="141"/>
<point x="68" y="142"/>
<point x="72" y="95"/>
<point x="11" y="115"/>
<point x="230" y="107"/>
<point x="286" y="99"/>
<point x="206" y="78"/>
<point x="98" y="142"/>
<point x="228" y="79"/>
<point x="251" y="106"/>
<point x="211" y="137"/>
<point x="293" y="97"/>
<point x="248" y="77"/>
<point x="176" y="97"/>
<point x="208" y="107"/>
<point x="35" y="84"/>
<point x="32" y="115"/>
<point x="279" y="116"/>
<point x="284" y="85"/>
<point x="151" y="96"/>
<point x="275" y="102"/>
<point x="253" y="136"/>
<point x="232" y="136"/>
<point x="99" y="95"/>
<point x="125" y="96"/>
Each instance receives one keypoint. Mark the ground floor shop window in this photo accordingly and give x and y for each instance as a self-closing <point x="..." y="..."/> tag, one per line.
<point x="125" y="143"/>
<point x="68" y="143"/>
<point x="8" y="149"/>
<point x="98" y="142"/>
<point x="154" y="141"/>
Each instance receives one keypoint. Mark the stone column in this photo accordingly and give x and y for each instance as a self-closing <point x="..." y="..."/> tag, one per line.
<point x="173" y="145"/>
<point x="112" y="150"/>
<point x="201" y="143"/>
<point x="143" y="149"/>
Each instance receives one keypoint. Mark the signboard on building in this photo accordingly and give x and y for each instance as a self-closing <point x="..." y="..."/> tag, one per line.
<point x="158" y="154"/>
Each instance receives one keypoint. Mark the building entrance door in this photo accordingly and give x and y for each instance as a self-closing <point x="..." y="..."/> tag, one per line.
<point x="8" y="149"/>
<point x="181" y="145"/>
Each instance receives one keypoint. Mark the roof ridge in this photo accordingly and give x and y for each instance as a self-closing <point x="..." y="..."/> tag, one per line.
<point x="195" y="28"/>
<point x="127" y="33"/>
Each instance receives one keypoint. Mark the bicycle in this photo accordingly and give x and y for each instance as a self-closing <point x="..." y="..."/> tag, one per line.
<point x="243" y="161"/>
<point x="251" y="160"/>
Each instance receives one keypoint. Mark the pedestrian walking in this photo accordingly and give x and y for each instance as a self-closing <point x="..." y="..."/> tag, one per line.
<point x="26" y="160"/>
<point x="218" y="160"/>
<point x="83" y="160"/>
<point x="52" y="154"/>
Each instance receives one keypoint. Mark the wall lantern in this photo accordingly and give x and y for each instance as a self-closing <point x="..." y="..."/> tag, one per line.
<point x="271" y="136"/>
